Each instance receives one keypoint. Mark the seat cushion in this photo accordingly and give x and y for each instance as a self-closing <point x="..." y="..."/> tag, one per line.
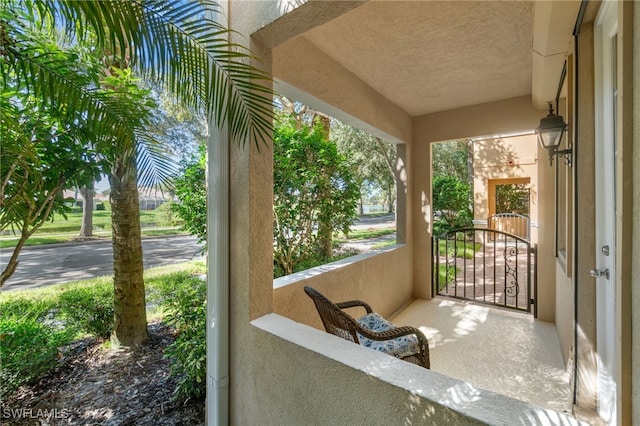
<point x="399" y="347"/>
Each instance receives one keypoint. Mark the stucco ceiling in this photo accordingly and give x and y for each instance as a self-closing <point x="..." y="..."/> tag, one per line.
<point x="427" y="56"/>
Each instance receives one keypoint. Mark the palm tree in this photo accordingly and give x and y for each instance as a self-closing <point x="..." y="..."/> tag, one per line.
<point x="174" y="43"/>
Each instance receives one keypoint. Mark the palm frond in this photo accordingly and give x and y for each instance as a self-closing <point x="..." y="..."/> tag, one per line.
<point x="177" y="43"/>
<point x="156" y="167"/>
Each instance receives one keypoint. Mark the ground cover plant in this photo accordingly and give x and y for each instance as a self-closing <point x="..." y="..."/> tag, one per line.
<point x="52" y="318"/>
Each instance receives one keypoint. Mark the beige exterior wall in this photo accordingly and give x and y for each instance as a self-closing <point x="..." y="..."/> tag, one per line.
<point x="503" y="117"/>
<point x="381" y="279"/>
<point x="420" y="213"/>
<point x="505" y="160"/>
<point x="309" y="75"/>
<point x="635" y="232"/>
<point x="626" y="222"/>
<point x="584" y="229"/>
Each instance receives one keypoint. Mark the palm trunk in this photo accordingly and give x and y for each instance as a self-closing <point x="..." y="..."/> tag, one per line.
<point x="86" y="229"/>
<point x="130" y="328"/>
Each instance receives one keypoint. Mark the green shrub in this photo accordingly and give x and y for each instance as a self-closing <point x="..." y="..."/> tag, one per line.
<point x="159" y="290"/>
<point x="187" y="312"/>
<point x="28" y="349"/>
<point x="89" y="309"/>
<point x="24" y="308"/>
<point x="100" y="206"/>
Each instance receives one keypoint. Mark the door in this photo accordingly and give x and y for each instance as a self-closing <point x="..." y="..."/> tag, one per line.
<point x="606" y="119"/>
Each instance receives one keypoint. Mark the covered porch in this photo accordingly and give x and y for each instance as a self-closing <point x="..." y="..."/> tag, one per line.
<point x="414" y="73"/>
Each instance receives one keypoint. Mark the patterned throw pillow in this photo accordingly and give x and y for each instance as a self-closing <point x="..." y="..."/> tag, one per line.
<point x="399" y="347"/>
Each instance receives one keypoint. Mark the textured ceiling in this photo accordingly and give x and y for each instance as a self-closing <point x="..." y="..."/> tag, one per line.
<point x="427" y="56"/>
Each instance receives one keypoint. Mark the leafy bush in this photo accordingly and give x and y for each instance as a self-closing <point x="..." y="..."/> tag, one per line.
<point x="452" y="200"/>
<point x="187" y="312"/>
<point x="191" y="190"/>
<point x="89" y="309"/>
<point x="165" y="214"/>
<point x="28" y="349"/>
<point x="100" y="206"/>
<point x="314" y="193"/>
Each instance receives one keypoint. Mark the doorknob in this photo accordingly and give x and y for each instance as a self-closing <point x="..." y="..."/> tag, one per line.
<point x="599" y="273"/>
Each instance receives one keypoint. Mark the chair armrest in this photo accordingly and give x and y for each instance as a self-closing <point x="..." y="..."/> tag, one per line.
<point x="422" y="356"/>
<point x="394" y="333"/>
<point x="354" y="303"/>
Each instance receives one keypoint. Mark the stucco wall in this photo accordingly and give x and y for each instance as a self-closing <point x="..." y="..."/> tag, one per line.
<point x="550" y="306"/>
<point x="564" y="312"/>
<point x="635" y="255"/>
<point x="304" y="376"/>
<point x="383" y="280"/>
<point x="505" y="158"/>
<point x="316" y="76"/>
<point x="584" y="249"/>
<point x="625" y="218"/>
<point x="494" y="118"/>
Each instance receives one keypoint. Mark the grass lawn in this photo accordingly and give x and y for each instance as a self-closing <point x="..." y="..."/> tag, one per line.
<point x="60" y="229"/>
<point x="446" y="276"/>
<point x="102" y="221"/>
<point x="63" y="238"/>
<point x="460" y="248"/>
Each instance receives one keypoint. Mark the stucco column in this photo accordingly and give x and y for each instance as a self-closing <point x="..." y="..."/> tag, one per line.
<point x="420" y="207"/>
<point x="584" y="247"/>
<point x="250" y="239"/>
<point x="628" y="222"/>
<point x="635" y="251"/>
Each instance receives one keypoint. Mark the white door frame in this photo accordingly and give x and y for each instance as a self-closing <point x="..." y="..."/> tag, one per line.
<point x="605" y="121"/>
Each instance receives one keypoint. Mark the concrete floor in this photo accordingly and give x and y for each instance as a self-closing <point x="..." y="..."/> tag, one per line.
<point x="506" y="352"/>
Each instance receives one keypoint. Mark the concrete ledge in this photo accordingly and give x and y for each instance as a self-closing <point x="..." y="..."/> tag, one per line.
<point x="329" y="267"/>
<point x="420" y="395"/>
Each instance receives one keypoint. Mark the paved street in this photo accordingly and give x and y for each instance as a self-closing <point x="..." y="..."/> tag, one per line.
<point x="51" y="264"/>
<point x="58" y="263"/>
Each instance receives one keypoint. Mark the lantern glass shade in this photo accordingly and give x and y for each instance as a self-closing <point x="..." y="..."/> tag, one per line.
<point x="550" y="131"/>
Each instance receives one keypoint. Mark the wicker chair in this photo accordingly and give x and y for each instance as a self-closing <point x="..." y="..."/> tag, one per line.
<point x="371" y="330"/>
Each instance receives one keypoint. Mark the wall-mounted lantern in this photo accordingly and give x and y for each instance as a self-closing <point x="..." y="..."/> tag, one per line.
<point x="550" y="132"/>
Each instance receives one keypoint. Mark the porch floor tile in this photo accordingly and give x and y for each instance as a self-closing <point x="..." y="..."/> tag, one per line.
<point x="506" y="352"/>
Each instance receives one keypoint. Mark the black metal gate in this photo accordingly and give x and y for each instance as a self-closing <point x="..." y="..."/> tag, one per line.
<point x="485" y="266"/>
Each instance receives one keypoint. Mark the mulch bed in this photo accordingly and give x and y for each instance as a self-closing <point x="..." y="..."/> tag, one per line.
<point x="93" y="385"/>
